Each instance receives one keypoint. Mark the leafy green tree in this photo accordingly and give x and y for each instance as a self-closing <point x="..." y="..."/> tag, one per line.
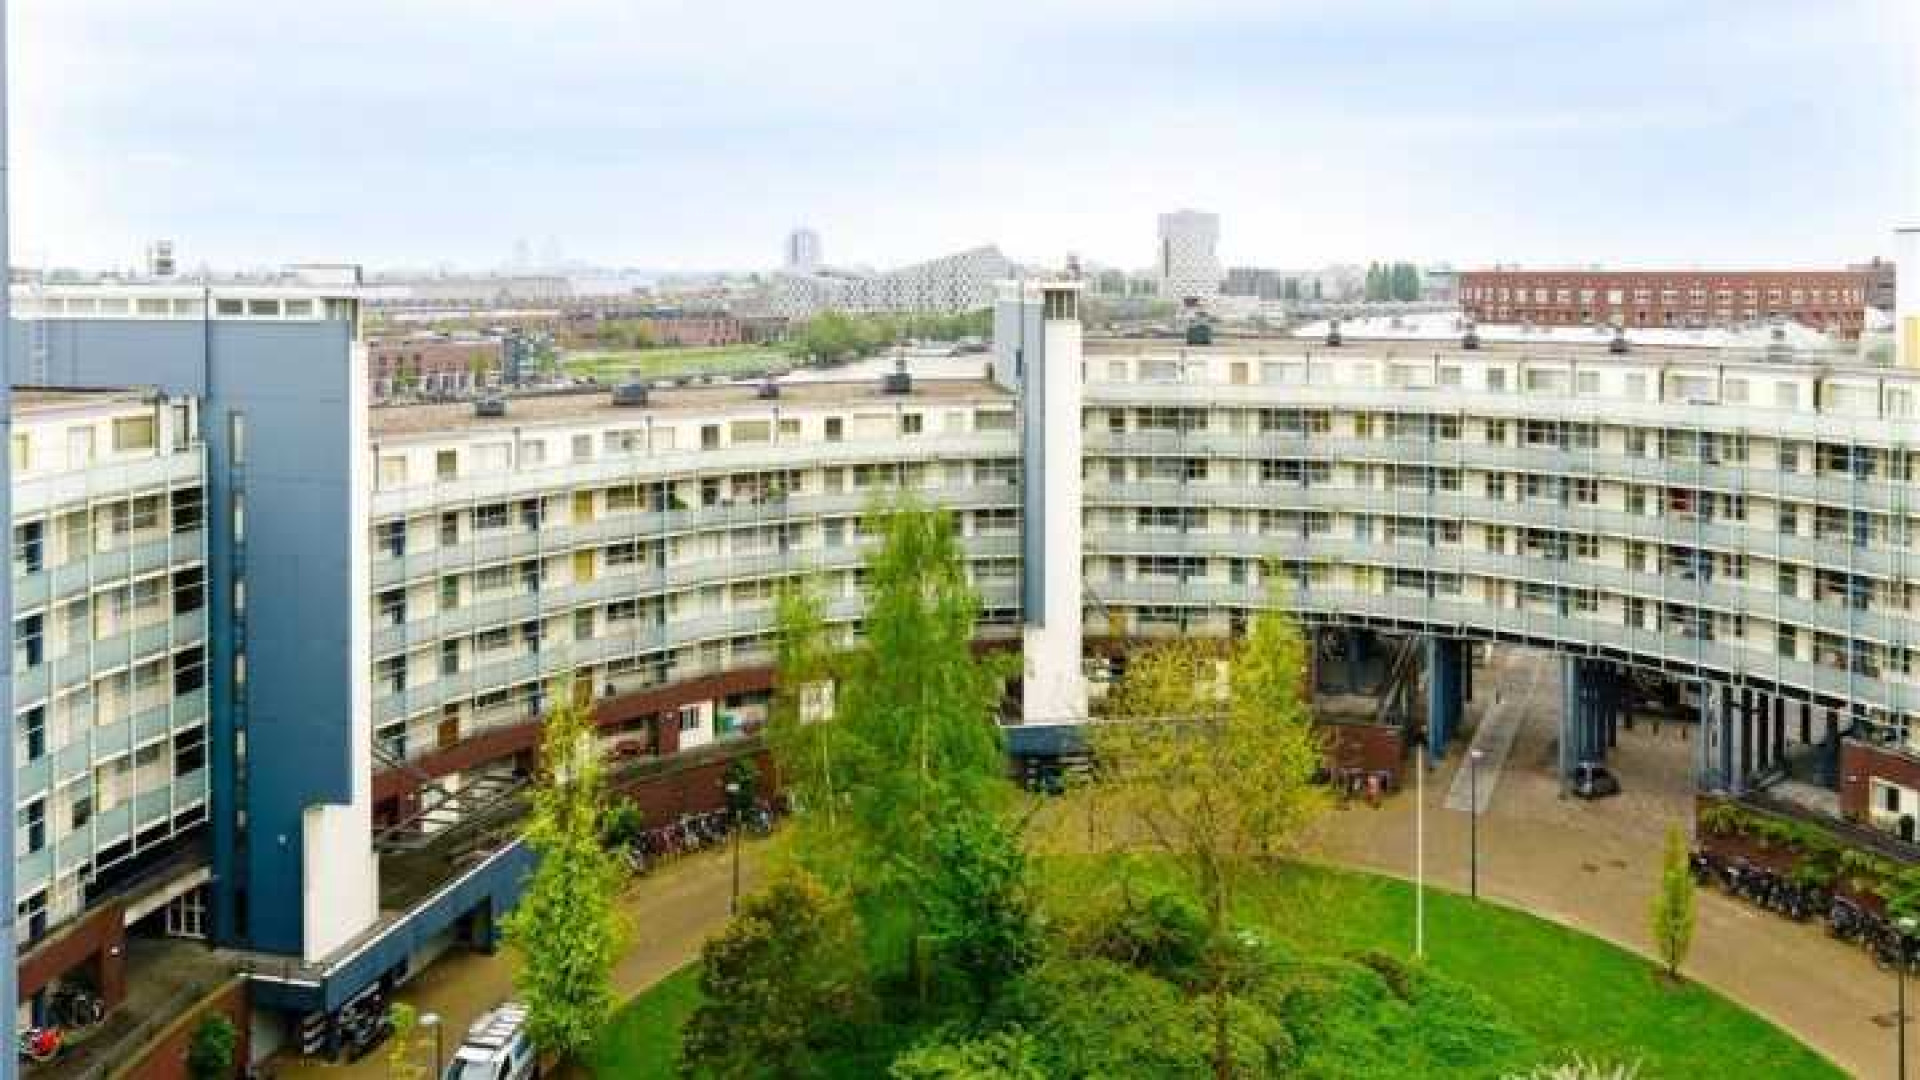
<point x="1672" y="914"/>
<point x="566" y="929"/>
<point x="801" y="740"/>
<point x="406" y="1046"/>
<point x="979" y="909"/>
<point x="783" y="980"/>
<point x="211" y="1047"/>
<point x="622" y="824"/>
<point x="1002" y="1055"/>
<point x="1212" y="752"/>
<point x="915" y="710"/>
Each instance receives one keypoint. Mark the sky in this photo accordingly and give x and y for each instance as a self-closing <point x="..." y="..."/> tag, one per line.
<point x="693" y="134"/>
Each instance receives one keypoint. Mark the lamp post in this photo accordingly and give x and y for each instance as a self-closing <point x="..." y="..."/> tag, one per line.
<point x="1473" y="822"/>
<point x="1905" y="925"/>
<point x="432" y="1020"/>
<point x="733" y="811"/>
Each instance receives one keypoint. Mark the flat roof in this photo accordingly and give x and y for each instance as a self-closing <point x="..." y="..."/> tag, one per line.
<point x="32" y="399"/>
<point x="590" y="405"/>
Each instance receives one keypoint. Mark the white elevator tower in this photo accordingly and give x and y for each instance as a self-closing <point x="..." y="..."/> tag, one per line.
<point x="1037" y="351"/>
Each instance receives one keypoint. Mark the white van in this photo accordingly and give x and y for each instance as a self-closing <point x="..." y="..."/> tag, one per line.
<point x="496" y="1048"/>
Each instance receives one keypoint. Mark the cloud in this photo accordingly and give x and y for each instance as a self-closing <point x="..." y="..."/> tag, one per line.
<point x="673" y="132"/>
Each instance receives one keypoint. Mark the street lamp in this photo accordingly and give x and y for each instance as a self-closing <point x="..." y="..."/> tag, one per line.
<point x="733" y="810"/>
<point x="432" y="1020"/>
<point x="1905" y="925"/>
<point x="1473" y="822"/>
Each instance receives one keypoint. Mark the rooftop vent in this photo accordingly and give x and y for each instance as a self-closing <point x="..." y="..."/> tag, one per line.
<point x="1333" y="334"/>
<point x="898" y="381"/>
<point x="490" y="407"/>
<point x="767" y="390"/>
<point x="1200" y="334"/>
<point x="630" y="393"/>
<point x="1618" y="346"/>
<point x="1471" y="339"/>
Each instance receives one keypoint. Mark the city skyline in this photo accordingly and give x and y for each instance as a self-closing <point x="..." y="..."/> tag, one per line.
<point x="1756" y="135"/>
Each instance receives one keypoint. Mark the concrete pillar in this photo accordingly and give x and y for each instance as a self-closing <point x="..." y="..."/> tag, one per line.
<point x="1569" y="719"/>
<point x="1443" y="693"/>
<point x="1705" y="745"/>
<point x="1727" y="738"/>
<point x="1779" y="733"/>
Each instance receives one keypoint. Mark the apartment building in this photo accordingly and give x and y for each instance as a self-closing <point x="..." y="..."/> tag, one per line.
<point x="394" y="596"/>
<point x="1834" y="301"/>
<point x="109" y="679"/>
<point x="432" y="364"/>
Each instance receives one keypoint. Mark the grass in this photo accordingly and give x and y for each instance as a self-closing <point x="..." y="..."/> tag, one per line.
<point x="644" y="1038"/>
<point x="616" y="364"/>
<point x="1568" y="993"/>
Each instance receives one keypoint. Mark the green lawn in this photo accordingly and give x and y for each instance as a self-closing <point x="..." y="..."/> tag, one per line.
<point x="1567" y="992"/>
<point x="615" y="364"/>
<point x="644" y="1038"/>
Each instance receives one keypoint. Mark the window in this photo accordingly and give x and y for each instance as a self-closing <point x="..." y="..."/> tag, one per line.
<point x="134" y="433"/>
<point x="29" y="641"/>
<point x="836" y="428"/>
<point x="187" y="510"/>
<point x="689" y="718"/>
<point x="490" y="516"/>
<point x="393" y="470"/>
<point x="911" y="423"/>
<point x="29" y="547"/>
<point x="446" y="464"/>
<point x="32" y="724"/>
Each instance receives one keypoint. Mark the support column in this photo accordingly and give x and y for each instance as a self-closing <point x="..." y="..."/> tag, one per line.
<point x="1569" y="719"/>
<point x="1728" y="752"/>
<point x="1806" y="723"/>
<point x="1443" y="693"/>
<point x="1704" y="744"/>
<point x="1780" y="733"/>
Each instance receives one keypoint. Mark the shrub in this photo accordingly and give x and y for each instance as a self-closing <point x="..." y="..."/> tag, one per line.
<point x="211" y="1047"/>
<point x="1003" y="1055"/>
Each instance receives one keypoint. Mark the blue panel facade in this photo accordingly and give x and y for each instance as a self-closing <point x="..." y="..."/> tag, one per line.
<point x="290" y="384"/>
<point x="1019" y="336"/>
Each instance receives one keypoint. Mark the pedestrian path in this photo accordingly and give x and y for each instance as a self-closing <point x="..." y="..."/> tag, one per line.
<point x="1499" y="724"/>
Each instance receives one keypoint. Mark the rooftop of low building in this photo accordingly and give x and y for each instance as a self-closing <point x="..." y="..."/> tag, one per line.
<point x="596" y="403"/>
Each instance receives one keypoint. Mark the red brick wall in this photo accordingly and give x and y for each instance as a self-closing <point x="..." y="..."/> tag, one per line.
<point x="1846" y="315"/>
<point x="98" y="939"/>
<point x="1372" y="747"/>
<point x="166" y="1058"/>
<point x="1860" y="763"/>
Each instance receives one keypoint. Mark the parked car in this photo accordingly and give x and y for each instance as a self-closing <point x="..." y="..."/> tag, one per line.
<point x="496" y="1048"/>
<point x="1592" y="780"/>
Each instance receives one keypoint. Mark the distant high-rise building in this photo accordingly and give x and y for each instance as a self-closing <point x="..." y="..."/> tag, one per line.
<point x="803" y="251"/>
<point x="1189" y="263"/>
<point x="160" y="262"/>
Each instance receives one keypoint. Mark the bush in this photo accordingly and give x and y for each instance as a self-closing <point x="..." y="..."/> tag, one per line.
<point x="783" y="980"/>
<point x="211" y="1048"/>
<point x="1003" y="1055"/>
<point x="1162" y="933"/>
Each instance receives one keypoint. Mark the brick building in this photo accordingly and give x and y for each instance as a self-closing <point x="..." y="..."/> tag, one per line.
<point x="431" y="365"/>
<point x="1833" y="300"/>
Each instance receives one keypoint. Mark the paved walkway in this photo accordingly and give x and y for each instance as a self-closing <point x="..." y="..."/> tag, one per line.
<point x="1593" y="866"/>
<point x="1499" y="726"/>
<point x="672" y="912"/>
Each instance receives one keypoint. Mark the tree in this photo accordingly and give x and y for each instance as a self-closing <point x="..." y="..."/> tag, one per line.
<point x="1212" y="751"/>
<point x="406" y="1045"/>
<point x="1672" y="915"/>
<point x="1002" y="1055"/>
<point x="803" y="668"/>
<point x="911" y="744"/>
<point x="565" y="928"/>
<point x="211" y="1047"/>
<point x="782" y="980"/>
<point x="979" y="910"/>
